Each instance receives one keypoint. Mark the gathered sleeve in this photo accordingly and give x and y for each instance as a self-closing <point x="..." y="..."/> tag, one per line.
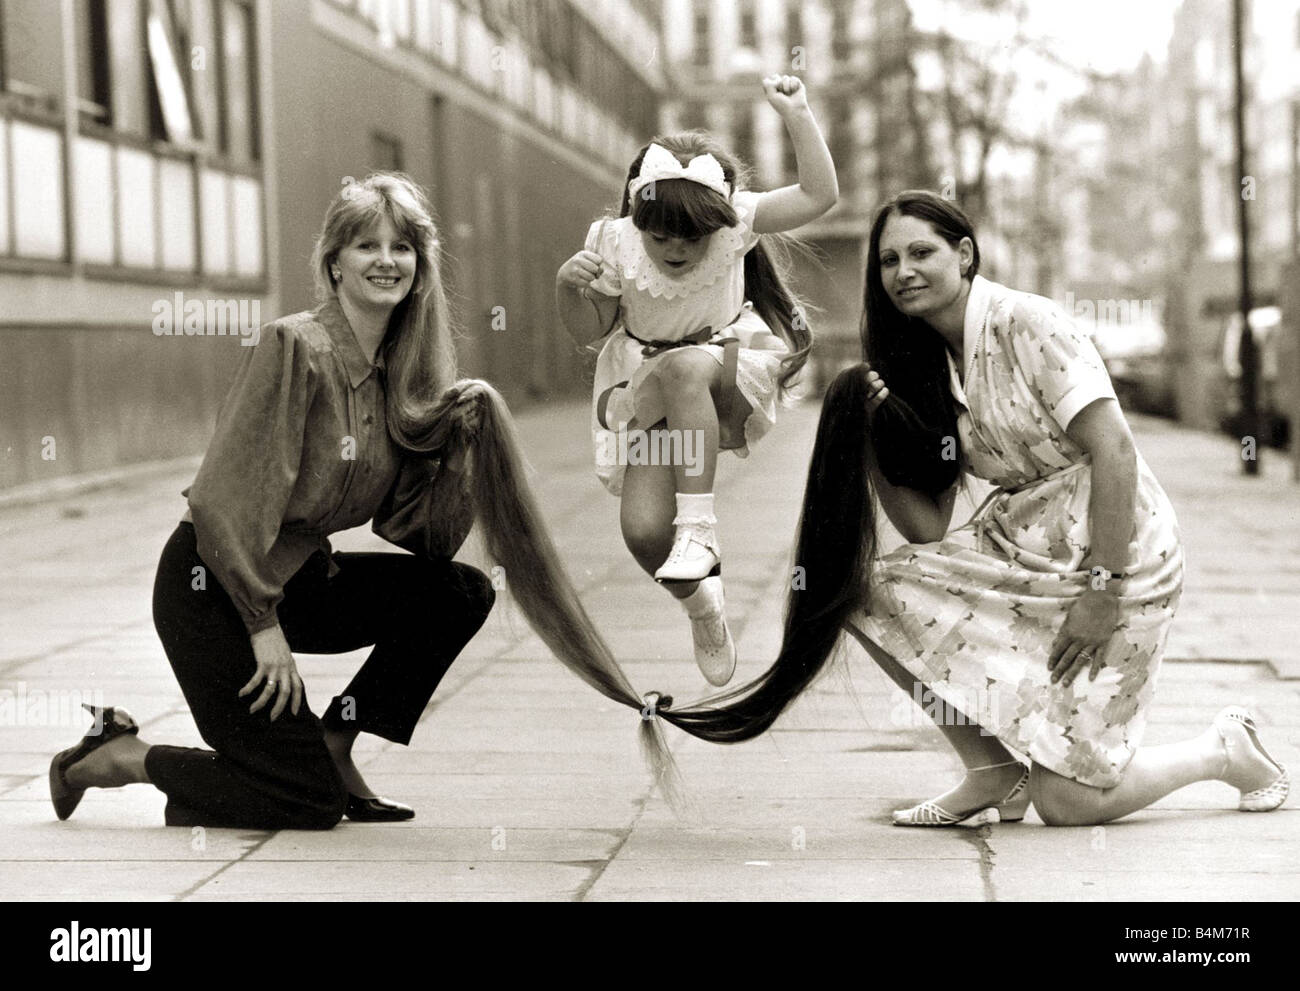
<point x="745" y="204"/>
<point x="602" y="238"/>
<point x="1059" y="361"/>
<point x="243" y="487"/>
<point x="428" y="511"/>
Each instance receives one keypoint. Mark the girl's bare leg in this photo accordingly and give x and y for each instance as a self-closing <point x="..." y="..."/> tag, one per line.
<point x="689" y="384"/>
<point x="646" y="516"/>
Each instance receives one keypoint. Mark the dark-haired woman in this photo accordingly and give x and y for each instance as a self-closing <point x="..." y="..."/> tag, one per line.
<point x="709" y="338"/>
<point x="1043" y="620"/>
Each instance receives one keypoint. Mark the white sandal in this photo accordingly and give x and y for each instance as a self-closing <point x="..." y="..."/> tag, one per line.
<point x="1237" y="719"/>
<point x="1010" y="809"/>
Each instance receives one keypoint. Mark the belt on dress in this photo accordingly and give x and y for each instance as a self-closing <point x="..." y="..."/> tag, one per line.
<point x="730" y="353"/>
<point x="978" y="518"/>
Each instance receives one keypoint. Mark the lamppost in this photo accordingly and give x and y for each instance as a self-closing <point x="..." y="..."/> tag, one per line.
<point x="1248" y="352"/>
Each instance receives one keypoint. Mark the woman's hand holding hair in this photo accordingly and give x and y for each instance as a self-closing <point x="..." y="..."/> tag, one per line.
<point x="460" y="416"/>
<point x="1081" y="642"/>
<point x="275" y="665"/>
<point x="877" y="391"/>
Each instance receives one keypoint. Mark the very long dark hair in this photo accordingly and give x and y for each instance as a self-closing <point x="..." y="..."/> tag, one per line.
<point x="682" y="208"/>
<point x="835" y="547"/>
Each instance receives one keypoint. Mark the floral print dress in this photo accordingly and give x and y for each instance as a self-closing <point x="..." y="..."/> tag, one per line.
<point x="974" y="616"/>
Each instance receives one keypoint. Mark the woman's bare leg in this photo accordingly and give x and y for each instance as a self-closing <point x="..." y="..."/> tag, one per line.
<point x="974" y="746"/>
<point x="118" y="762"/>
<point x="1153" y="773"/>
<point x="339" y="744"/>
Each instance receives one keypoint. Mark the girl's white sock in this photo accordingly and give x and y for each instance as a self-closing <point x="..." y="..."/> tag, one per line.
<point x="704" y="599"/>
<point x="694" y="507"/>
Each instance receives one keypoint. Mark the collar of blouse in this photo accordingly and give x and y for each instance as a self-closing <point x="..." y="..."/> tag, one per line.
<point x="330" y="316"/>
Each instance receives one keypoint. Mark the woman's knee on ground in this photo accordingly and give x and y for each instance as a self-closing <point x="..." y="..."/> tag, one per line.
<point x="1062" y="802"/>
<point x="324" y="806"/>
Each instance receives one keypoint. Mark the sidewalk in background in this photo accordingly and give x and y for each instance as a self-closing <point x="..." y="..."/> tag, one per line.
<point x="528" y="785"/>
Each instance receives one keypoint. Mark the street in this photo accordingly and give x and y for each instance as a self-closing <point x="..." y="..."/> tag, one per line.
<point x="528" y="785"/>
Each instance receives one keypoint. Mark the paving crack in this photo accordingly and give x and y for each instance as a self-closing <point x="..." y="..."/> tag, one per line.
<point x="979" y="839"/>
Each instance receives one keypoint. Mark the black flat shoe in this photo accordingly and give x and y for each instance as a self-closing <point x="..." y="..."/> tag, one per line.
<point x="377" y="810"/>
<point x="112" y="724"/>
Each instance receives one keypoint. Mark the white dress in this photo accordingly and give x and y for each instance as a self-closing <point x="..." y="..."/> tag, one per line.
<point x="708" y="302"/>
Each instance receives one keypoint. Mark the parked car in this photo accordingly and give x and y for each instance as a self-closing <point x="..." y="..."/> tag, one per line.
<point x="1135" y="358"/>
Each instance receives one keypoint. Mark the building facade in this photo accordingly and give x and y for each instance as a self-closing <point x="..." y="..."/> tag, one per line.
<point x="854" y="57"/>
<point x="165" y="166"/>
<point x="1207" y="187"/>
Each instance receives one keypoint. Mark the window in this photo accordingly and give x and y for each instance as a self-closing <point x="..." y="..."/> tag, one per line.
<point x="171" y="116"/>
<point x="742" y="140"/>
<point x="843" y="140"/>
<point x="31" y="51"/>
<point x="748" y="25"/>
<point x="702" y="56"/>
<point x="794" y="25"/>
<point x="94" y="95"/>
<point x="180" y="71"/>
<point x="841" y="43"/>
<point x="240" y="140"/>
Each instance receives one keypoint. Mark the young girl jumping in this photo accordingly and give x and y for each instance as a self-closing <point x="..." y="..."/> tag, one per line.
<point x="709" y="337"/>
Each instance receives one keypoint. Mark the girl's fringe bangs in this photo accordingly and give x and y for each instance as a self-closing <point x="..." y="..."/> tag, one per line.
<point x="681" y="208"/>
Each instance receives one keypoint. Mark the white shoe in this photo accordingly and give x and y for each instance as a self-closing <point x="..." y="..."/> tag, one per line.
<point x="1010" y="809"/>
<point x="715" y="651"/>
<point x="1236" y="727"/>
<point x="694" y="556"/>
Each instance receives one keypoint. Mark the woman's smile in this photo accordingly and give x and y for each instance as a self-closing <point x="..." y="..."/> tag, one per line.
<point x="377" y="267"/>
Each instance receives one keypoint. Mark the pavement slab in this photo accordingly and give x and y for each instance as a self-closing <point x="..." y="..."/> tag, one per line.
<point x="530" y="786"/>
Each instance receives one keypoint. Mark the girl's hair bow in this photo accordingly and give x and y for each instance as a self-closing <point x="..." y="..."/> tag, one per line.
<point x="659" y="163"/>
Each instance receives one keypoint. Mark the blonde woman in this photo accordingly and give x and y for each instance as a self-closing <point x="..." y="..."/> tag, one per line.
<point x="346" y="414"/>
<point x="320" y="432"/>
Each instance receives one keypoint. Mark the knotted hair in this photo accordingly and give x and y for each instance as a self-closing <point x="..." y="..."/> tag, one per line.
<point x="471" y="420"/>
<point x="835" y="545"/>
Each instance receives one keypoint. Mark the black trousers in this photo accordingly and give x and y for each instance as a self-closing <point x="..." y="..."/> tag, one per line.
<point x="260" y="774"/>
